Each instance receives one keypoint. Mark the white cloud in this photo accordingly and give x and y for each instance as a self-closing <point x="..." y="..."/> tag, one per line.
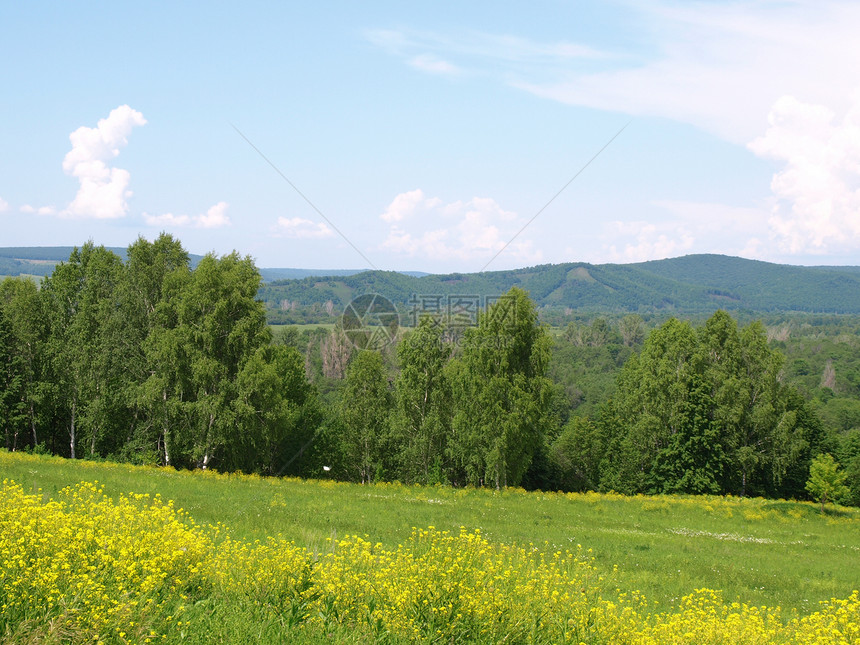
<point x="477" y="48"/>
<point x="103" y="190"/>
<point x="649" y="241"/>
<point x="300" y="228"/>
<point x="474" y="230"/>
<point x="722" y="65"/>
<point x="4" y="205"/>
<point x="215" y="217"/>
<point x="167" y="220"/>
<point x="405" y="204"/>
<point x="42" y="210"/>
<point x="682" y="227"/>
<point x="817" y="192"/>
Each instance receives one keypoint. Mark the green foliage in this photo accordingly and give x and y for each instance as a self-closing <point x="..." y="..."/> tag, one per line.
<point x="366" y="406"/>
<point x="501" y="394"/>
<point x="150" y="361"/>
<point x="277" y="410"/>
<point x="826" y="480"/>
<point x="421" y="422"/>
<point x="694" y="459"/>
<point x="703" y="412"/>
<point x="12" y="383"/>
<point x="576" y="454"/>
<point x="85" y="334"/>
<point x="146" y="357"/>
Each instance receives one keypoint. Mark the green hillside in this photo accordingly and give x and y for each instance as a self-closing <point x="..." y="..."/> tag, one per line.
<point x="692" y="284"/>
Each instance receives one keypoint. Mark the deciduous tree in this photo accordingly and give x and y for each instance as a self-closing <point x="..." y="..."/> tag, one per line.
<point x="501" y="393"/>
<point x="422" y="419"/>
<point x="366" y="409"/>
<point x="826" y="480"/>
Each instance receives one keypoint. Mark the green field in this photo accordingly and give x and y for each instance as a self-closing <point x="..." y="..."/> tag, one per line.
<point x="761" y="552"/>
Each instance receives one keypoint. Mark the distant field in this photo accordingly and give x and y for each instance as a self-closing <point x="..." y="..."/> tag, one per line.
<point x="37" y="278"/>
<point x="756" y="551"/>
<point x="303" y="327"/>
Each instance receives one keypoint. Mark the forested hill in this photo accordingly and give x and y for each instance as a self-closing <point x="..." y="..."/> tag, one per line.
<point x="692" y="284"/>
<point x="686" y="285"/>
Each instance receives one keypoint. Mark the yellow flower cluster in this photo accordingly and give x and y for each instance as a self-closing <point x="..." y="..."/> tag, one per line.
<point x="453" y="587"/>
<point x="84" y="567"/>
<point x="88" y="565"/>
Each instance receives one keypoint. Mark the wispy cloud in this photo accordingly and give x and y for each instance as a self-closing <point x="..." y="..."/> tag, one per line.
<point x="721" y="66"/>
<point x="4" y="205"/>
<point x="474" y="51"/>
<point x="215" y="217"/>
<point x="717" y="66"/>
<point x="434" y="65"/>
<point x="300" y="228"/>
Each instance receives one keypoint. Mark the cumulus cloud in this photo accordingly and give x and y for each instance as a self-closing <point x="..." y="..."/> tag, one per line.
<point x="4" y="205"/>
<point x="476" y="229"/>
<point x="41" y="210"/>
<point x="681" y="227"/>
<point x="817" y="191"/>
<point x="103" y="190"/>
<point x="648" y="241"/>
<point x="406" y="204"/>
<point x="300" y="228"/>
<point x="215" y="217"/>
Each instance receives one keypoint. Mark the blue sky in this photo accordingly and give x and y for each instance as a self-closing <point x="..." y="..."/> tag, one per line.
<point x="428" y="134"/>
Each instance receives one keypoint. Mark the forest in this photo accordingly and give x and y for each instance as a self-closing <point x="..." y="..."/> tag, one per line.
<point x="692" y="285"/>
<point x="153" y="359"/>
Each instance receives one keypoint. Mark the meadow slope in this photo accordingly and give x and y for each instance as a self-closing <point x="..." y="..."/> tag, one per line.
<point x="762" y="552"/>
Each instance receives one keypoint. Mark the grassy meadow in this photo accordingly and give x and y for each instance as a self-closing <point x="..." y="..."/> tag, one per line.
<point x="601" y="552"/>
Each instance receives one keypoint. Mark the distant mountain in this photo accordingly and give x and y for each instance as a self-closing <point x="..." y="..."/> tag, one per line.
<point x="687" y="285"/>
<point x="272" y="275"/>
<point x="41" y="260"/>
<point x="691" y="284"/>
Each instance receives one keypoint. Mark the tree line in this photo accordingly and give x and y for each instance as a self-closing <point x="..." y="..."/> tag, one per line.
<point x="151" y="361"/>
